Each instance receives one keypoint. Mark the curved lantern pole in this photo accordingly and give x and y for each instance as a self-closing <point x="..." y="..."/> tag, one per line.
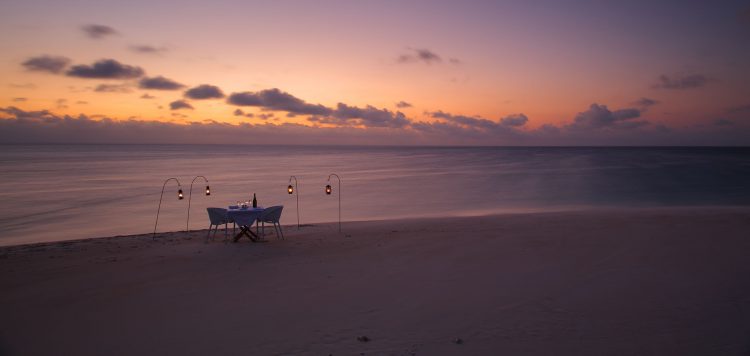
<point x="179" y="196"/>
<point x="291" y="190"/>
<point x="328" y="192"/>
<point x="190" y="198"/>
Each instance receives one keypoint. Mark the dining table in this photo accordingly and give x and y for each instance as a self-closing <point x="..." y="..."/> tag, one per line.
<point x="245" y="217"/>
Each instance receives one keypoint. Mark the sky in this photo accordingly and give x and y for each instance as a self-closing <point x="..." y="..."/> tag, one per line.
<point x="376" y="72"/>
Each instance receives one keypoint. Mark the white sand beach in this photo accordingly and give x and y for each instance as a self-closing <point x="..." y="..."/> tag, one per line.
<point x="606" y="282"/>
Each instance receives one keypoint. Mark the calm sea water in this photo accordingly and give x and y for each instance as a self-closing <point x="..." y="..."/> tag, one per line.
<point x="57" y="192"/>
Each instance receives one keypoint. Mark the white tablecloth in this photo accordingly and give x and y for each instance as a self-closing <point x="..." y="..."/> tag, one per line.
<point x="245" y="217"/>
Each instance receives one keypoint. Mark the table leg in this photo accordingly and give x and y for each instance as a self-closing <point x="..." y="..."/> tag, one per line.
<point x="246" y="231"/>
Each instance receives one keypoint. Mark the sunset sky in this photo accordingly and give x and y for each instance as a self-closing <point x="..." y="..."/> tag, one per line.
<point x="378" y="72"/>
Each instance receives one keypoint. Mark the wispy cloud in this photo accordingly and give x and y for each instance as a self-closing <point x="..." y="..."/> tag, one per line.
<point x="22" y="86"/>
<point x="422" y="55"/>
<point x="723" y="122"/>
<point x="46" y="63"/>
<point x="113" y="88"/>
<point x="742" y="109"/>
<point x="146" y="49"/>
<point x="98" y="31"/>
<point x="679" y="82"/>
<point x="645" y="103"/>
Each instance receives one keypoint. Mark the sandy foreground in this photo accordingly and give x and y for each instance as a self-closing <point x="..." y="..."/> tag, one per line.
<point x="607" y="282"/>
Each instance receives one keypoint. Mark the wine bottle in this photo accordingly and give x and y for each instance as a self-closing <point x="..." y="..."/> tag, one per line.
<point x="255" y="201"/>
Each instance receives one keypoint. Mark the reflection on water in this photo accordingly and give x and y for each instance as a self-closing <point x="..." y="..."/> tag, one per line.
<point x="53" y="192"/>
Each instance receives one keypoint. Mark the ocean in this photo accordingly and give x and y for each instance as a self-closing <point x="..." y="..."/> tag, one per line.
<point x="61" y="192"/>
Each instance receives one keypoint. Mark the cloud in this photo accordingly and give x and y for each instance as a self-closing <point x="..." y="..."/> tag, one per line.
<point x="204" y="91"/>
<point x="98" y="31"/>
<point x="42" y="126"/>
<point x="514" y="120"/>
<point x="462" y="128"/>
<point x="19" y="100"/>
<point x="600" y="117"/>
<point x="723" y="122"/>
<point x="22" y="86"/>
<point x="680" y="82"/>
<point x="159" y="83"/>
<point x="45" y="127"/>
<point x="147" y="96"/>
<point x="742" y="109"/>
<point x="402" y="104"/>
<point x="239" y="112"/>
<point x="45" y="63"/>
<point x="105" y="69"/>
<point x="275" y="99"/>
<point x="343" y="115"/>
<point x="368" y="116"/>
<point x="645" y="103"/>
<point x="113" y="88"/>
<point x="419" y="55"/>
<point x="180" y="104"/>
<point x="146" y="49"/>
<point x="62" y="103"/>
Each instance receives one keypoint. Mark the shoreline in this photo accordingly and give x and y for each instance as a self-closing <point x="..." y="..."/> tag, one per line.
<point x="618" y="282"/>
<point x="494" y="213"/>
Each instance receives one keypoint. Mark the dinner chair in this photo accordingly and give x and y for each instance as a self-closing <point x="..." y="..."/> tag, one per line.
<point x="271" y="215"/>
<point x="218" y="216"/>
